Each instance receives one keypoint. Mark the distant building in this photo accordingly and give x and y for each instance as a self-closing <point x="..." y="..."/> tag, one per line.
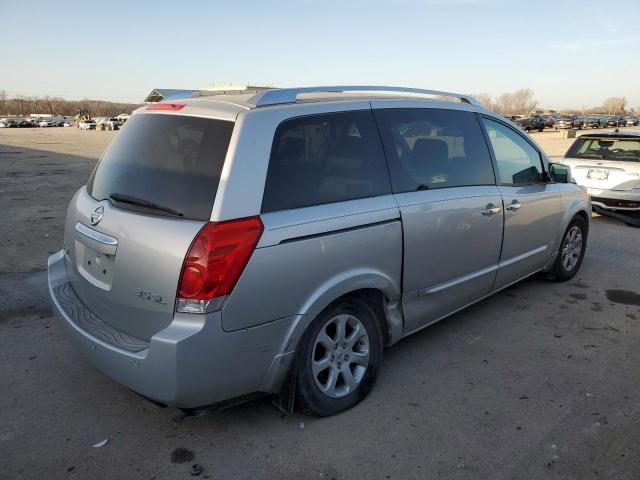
<point x="49" y="116"/>
<point x="161" y="94"/>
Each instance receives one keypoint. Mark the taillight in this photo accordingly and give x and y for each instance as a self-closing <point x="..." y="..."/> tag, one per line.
<point x="166" y="106"/>
<point x="215" y="261"/>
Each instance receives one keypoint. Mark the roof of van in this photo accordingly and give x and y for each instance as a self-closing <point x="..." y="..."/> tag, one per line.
<point x="227" y="106"/>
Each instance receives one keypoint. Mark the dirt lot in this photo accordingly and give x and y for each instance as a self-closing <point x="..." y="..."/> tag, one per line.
<point x="539" y="381"/>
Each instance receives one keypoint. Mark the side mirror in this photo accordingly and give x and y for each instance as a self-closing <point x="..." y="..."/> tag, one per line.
<point x="559" y="173"/>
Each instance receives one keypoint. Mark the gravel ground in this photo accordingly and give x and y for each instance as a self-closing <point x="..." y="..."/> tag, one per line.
<point x="539" y="381"/>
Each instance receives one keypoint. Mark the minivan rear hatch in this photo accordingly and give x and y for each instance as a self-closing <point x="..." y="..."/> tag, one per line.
<point x="127" y="232"/>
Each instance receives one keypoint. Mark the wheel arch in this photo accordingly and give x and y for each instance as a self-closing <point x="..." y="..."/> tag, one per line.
<point x="368" y="285"/>
<point x="576" y="207"/>
<point x="584" y="216"/>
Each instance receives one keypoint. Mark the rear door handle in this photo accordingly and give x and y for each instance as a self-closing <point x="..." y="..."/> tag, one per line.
<point x="491" y="210"/>
<point x="515" y="205"/>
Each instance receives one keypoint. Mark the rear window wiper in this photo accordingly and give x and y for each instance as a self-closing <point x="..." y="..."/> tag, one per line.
<point x="121" y="197"/>
<point x="422" y="186"/>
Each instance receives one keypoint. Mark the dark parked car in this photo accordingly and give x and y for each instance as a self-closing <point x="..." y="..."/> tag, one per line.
<point x="530" y="123"/>
<point x="568" y="121"/>
<point x="616" y="121"/>
<point x="10" y="123"/>
<point x="591" y="122"/>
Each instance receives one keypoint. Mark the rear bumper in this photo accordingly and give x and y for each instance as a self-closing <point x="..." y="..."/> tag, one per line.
<point x="626" y="200"/>
<point x="191" y="363"/>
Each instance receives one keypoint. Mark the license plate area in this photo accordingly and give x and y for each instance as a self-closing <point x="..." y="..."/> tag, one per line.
<point x="598" y="174"/>
<point x="96" y="267"/>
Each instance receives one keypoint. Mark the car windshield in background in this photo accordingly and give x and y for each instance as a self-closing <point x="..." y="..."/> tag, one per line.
<point x="165" y="160"/>
<point x="619" y="149"/>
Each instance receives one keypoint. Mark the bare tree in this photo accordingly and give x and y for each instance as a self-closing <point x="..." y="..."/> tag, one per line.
<point x="523" y="101"/>
<point x="3" y="101"/>
<point x="615" y="105"/>
<point x="520" y="102"/>
<point x="48" y="103"/>
<point x="485" y="99"/>
<point x="21" y="105"/>
<point x="504" y="104"/>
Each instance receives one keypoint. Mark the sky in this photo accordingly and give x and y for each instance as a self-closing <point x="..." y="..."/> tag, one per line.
<point x="572" y="54"/>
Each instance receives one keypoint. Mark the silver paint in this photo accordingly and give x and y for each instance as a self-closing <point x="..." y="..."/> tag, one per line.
<point x="425" y="255"/>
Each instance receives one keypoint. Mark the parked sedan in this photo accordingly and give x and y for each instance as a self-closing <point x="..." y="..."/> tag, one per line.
<point x="591" y="122"/>
<point x="567" y="121"/>
<point x="87" y="125"/>
<point x="608" y="166"/>
<point x="47" y="123"/>
<point x="616" y="121"/>
<point x="530" y="123"/>
<point x="112" y="123"/>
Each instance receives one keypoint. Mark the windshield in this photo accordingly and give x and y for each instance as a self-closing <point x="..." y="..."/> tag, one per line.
<point x="607" y="148"/>
<point x="168" y="160"/>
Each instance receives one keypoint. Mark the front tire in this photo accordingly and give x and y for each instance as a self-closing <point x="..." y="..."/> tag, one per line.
<point x="572" y="249"/>
<point x="338" y="358"/>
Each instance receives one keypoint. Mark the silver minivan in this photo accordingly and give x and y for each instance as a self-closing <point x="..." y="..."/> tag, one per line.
<point x="275" y="242"/>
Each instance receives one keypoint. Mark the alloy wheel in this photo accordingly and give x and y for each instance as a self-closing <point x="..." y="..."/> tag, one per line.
<point x="571" y="248"/>
<point x="340" y="355"/>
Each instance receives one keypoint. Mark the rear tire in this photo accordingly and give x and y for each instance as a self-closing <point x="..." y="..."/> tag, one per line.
<point x="571" y="252"/>
<point x="338" y="358"/>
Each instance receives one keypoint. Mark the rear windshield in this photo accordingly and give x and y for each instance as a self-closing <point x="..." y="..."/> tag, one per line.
<point x="618" y="149"/>
<point x="169" y="160"/>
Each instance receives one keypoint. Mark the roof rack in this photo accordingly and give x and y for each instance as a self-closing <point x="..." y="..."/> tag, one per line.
<point x="279" y="96"/>
<point x="211" y="93"/>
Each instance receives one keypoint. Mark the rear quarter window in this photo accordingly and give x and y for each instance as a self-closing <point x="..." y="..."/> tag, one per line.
<point x="171" y="160"/>
<point x="325" y="158"/>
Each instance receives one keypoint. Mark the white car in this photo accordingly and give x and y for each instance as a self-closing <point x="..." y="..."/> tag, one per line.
<point x="47" y="123"/>
<point x="111" y="123"/>
<point x="608" y="166"/>
<point x="87" y="125"/>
